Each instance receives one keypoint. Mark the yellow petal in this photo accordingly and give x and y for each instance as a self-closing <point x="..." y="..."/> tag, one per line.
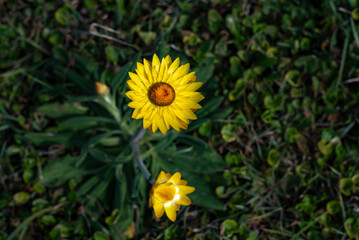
<point x="135" y="113"/>
<point x="165" y="115"/>
<point x="161" y="177"/>
<point x="186" y="78"/>
<point x="183" y="200"/>
<point x="193" y="79"/>
<point x="174" y="66"/>
<point x="149" y="111"/>
<point x="162" y="69"/>
<point x="130" y="94"/>
<point x="146" y="123"/>
<point x="182" y="183"/>
<point x="170" y="211"/>
<point x="136" y="104"/>
<point x="165" y="74"/>
<point x="170" y="119"/>
<point x="158" y="208"/>
<point x="162" y="126"/>
<point x="181" y="71"/>
<point x="180" y="115"/>
<point x="193" y="96"/>
<point x="184" y="190"/>
<point x="168" y="60"/>
<point x="175" y="178"/>
<point x="155" y="123"/>
<point x="154" y="74"/>
<point x="183" y="124"/>
<point x="148" y="68"/>
<point x="138" y="81"/>
<point x="192" y="87"/>
<point x="133" y="86"/>
<point x="188" y="104"/>
<point x="140" y="68"/>
<point x="155" y="62"/>
<point x="145" y="109"/>
<point x="190" y="115"/>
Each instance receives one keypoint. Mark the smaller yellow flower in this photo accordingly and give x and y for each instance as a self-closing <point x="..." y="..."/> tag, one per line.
<point x="168" y="193"/>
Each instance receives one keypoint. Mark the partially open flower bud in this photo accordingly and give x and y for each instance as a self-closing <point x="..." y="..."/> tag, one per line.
<point x="101" y="89"/>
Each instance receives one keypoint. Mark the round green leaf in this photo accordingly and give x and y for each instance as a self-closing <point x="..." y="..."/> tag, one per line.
<point x="333" y="207"/>
<point x="229" y="227"/>
<point x="273" y="157"/>
<point x="21" y="197"/>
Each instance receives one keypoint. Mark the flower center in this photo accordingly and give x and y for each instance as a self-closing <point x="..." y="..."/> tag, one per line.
<point x="165" y="193"/>
<point x="161" y="94"/>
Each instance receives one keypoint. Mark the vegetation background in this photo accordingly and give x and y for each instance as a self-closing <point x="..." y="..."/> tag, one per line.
<point x="274" y="154"/>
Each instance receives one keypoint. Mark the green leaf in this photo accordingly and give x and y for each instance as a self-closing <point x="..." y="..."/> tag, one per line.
<point x="84" y="122"/>
<point x="100" y="236"/>
<point x="292" y="134"/>
<point x="60" y="171"/>
<point x="273" y="102"/>
<point x="194" y="161"/>
<point x="205" y="70"/>
<point x="92" y="142"/>
<point x="351" y="226"/>
<point x="47" y="139"/>
<point x="214" y="20"/>
<point x="308" y="63"/>
<point x="293" y="78"/>
<point x="62" y="16"/>
<point x="346" y="186"/>
<point x="87" y="86"/>
<point x="205" y="128"/>
<point x="209" y="107"/>
<point x="267" y="116"/>
<point x="113" y="219"/>
<point x="229" y="227"/>
<point x="118" y="82"/>
<point x="57" y="110"/>
<point x="111" y="54"/>
<point x="308" y="204"/>
<point x="237" y="91"/>
<point x="325" y="147"/>
<point x="227" y="132"/>
<point x="199" y="158"/>
<point x="273" y="157"/>
<point x="328" y="134"/>
<point x="21" y="197"/>
<point x="333" y="207"/>
<point x="104" y="181"/>
<point x="147" y="36"/>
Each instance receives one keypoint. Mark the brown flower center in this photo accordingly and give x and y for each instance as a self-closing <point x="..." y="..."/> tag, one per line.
<point x="161" y="94"/>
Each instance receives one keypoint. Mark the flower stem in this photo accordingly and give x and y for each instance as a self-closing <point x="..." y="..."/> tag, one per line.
<point x="139" y="161"/>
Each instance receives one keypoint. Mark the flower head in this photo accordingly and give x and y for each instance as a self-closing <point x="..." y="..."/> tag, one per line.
<point x="168" y="193"/>
<point x="163" y="94"/>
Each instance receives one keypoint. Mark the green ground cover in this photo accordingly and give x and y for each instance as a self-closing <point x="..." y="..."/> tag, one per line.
<point x="273" y="154"/>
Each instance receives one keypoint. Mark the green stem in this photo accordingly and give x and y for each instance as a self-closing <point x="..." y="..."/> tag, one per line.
<point x="311" y="223"/>
<point x="32" y="217"/>
<point x="139" y="161"/>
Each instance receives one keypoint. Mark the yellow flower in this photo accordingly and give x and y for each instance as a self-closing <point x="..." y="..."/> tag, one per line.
<point x="168" y="193"/>
<point x="163" y="94"/>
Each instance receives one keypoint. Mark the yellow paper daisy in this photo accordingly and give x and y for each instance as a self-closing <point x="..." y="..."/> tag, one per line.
<point x="163" y="94"/>
<point x="168" y="193"/>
